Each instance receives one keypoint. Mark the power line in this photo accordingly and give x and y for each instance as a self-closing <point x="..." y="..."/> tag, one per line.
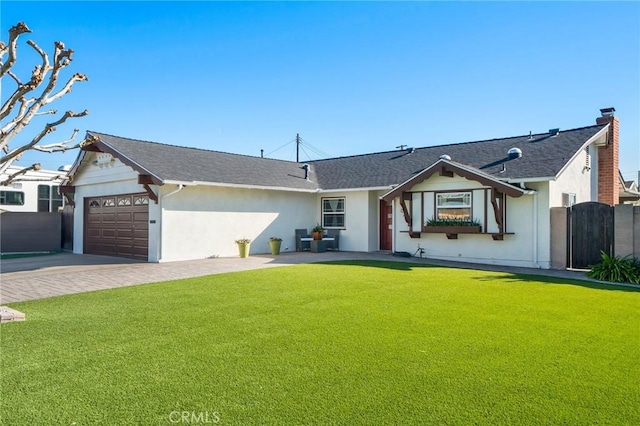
<point x="277" y="149"/>
<point x="315" y="149"/>
<point x="300" y="143"/>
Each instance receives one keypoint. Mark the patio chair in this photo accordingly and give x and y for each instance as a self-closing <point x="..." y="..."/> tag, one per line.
<point x="335" y="244"/>
<point x="302" y="245"/>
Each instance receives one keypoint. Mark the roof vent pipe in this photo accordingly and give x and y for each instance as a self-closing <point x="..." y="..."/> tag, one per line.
<point x="530" y="135"/>
<point x="307" y="169"/>
<point x="554" y="132"/>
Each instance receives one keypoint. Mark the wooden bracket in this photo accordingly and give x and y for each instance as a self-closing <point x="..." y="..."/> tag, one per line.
<point x="406" y="196"/>
<point x="67" y="190"/>
<point x="145" y="181"/>
<point x="497" y="201"/>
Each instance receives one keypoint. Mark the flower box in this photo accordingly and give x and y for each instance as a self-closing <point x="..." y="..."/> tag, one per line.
<point x="437" y="229"/>
<point x="452" y="231"/>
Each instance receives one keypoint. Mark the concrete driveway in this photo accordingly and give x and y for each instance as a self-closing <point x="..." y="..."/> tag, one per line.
<point x="38" y="277"/>
<point x="55" y="275"/>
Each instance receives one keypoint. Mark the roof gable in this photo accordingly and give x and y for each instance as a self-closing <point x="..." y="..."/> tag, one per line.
<point x="448" y="168"/>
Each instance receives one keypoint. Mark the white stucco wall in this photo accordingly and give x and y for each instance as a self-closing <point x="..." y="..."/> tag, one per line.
<point x="527" y="218"/>
<point x="360" y="233"/>
<point x="575" y="179"/>
<point x="543" y="225"/>
<point x="204" y="221"/>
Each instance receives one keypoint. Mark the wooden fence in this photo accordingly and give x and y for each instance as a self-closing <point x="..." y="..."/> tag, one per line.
<point x="22" y="232"/>
<point x="565" y="241"/>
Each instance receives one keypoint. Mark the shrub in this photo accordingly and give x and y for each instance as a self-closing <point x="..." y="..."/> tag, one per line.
<point x="616" y="269"/>
<point x="452" y="222"/>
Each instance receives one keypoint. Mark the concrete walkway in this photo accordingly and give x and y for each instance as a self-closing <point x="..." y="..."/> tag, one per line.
<point x="55" y="275"/>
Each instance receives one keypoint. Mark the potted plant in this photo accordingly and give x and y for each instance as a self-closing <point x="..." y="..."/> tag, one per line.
<point x="274" y="243"/>
<point x="244" y="245"/>
<point x="316" y="232"/>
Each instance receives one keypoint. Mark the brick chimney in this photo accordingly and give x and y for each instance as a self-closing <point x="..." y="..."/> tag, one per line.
<point x="608" y="174"/>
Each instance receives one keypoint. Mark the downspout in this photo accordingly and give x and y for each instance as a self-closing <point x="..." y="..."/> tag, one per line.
<point x="535" y="230"/>
<point x="175" y="191"/>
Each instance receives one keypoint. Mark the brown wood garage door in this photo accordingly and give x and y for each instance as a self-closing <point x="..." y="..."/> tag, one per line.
<point x="117" y="225"/>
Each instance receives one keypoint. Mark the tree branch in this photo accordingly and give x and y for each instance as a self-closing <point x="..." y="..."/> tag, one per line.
<point x="67" y="87"/>
<point x="48" y="128"/>
<point x="59" y="146"/>
<point x="24" y="103"/>
<point x="14" y="77"/>
<point x="12" y="176"/>
<point x="37" y="77"/>
<point x="14" y="33"/>
<point x="27" y="101"/>
<point x="61" y="59"/>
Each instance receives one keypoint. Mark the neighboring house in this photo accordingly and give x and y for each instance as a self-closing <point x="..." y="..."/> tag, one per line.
<point x="629" y="193"/>
<point x="34" y="191"/>
<point x="163" y="203"/>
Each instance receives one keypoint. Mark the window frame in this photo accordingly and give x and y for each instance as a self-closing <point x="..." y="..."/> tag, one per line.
<point x="53" y="196"/>
<point x="3" y="198"/>
<point x="468" y="206"/>
<point x="324" y="213"/>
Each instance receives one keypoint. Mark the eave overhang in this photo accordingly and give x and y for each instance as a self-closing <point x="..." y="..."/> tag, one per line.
<point x="234" y="185"/>
<point x="601" y="134"/>
<point x="448" y="168"/>
<point x="101" y="146"/>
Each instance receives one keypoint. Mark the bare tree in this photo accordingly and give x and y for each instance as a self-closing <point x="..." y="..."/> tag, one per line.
<point x="30" y="99"/>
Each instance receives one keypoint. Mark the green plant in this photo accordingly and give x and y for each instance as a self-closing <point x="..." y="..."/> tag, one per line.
<point x="452" y="222"/>
<point x="317" y="228"/>
<point x="616" y="269"/>
<point x="243" y="241"/>
<point x="485" y="347"/>
<point x="275" y="239"/>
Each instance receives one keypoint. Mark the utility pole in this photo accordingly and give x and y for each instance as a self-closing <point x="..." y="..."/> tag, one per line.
<point x="297" y="147"/>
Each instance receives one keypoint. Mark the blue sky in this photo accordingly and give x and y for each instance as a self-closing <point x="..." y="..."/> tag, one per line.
<point x="351" y="78"/>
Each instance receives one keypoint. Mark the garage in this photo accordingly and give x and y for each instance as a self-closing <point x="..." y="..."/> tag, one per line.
<point x="117" y="225"/>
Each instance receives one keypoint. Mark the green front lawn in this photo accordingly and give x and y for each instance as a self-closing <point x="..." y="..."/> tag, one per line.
<point x="338" y="343"/>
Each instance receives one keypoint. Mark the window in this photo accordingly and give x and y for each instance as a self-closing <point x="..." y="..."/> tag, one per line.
<point x="333" y="212"/>
<point x="453" y="205"/>
<point x="140" y="201"/>
<point x="49" y="198"/>
<point x="56" y="199"/>
<point x="43" y="198"/>
<point x="12" y="198"/>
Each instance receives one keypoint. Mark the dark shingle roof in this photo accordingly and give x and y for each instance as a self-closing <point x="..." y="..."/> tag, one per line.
<point x="177" y="163"/>
<point x="543" y="156"/>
